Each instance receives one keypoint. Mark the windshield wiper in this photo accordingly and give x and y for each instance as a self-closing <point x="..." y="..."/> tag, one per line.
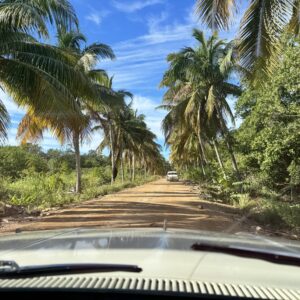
<point x="249" y="253"/>
<point x="12" y="269"/>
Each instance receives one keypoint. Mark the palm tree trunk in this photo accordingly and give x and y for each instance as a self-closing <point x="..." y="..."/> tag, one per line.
<point x="112" y="155"/>
<point x="78" y="165"/>
<point x="202" y="155"/>
<point x="202" y="165"/>
<point x="129" y="169"/>
<point x="228" y="144"/>
<point x="133" y="167"/>
<point x="233" y="159"/>
<point x="200" y="140"/>
<point x="122" y="167"/>
<point x="219" y="159"/>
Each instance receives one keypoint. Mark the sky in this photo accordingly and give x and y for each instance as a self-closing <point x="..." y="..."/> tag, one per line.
<point x="141" y="33"/>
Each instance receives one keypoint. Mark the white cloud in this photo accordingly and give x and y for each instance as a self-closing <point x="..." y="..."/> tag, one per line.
<point x="154" y="117"/>
<point x="141" y="61"/>
<point x="134" y="6"/>
<point x="97" y="16"/>
<point x="94" y="18"/>
<point x="143" y="104"/>
<point x="153" y="22"/>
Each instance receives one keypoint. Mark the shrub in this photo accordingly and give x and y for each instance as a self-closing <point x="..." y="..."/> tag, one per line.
<point x="244" y="202"/>
<point x="4" y="191"/>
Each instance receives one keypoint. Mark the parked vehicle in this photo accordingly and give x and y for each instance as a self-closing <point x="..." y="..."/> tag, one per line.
<point x="172" y="176"/>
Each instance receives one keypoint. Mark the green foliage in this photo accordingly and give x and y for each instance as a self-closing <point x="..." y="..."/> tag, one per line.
<point x="40" y="190"/>
<point x="4" y="192"/>
<point x="19" y="161"/>
<point x="44" y="190"/>
<point x="60" y="161"/>
<point x="14" y="161"/>
<point x="34" y="179"/>
<point x="269" y="137"/>
<point x="93" y="159"/>
<point x="193" y="174"/>
<point x="244" y="202"/>
<point x="294" y="172"/>
<point x="278" y="214"/>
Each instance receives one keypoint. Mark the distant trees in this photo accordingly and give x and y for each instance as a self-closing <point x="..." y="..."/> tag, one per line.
<point x="19" y="161"/>
<point x="127" y="137"/>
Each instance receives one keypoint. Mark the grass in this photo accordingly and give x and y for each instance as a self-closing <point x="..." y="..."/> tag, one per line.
<point x="277" y="214"/>
<point x="264" y="206"/>
<point x="40" y="191"/>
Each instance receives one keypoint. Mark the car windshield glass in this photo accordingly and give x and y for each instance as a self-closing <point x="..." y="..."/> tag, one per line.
<point x="131" y="126"/>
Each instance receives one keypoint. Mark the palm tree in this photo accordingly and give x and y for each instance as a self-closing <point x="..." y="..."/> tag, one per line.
<point x="127" y="136"/>
<point x="198" y="84"/>
<point x="73" y="125"/>
<point x="30" y="71"/>
<point x="107" y="118"/>
<point x="88" y="57"/>
<point x="261" y="26"/>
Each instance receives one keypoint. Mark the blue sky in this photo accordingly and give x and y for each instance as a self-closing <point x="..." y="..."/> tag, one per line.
<point x="142" y="33"/>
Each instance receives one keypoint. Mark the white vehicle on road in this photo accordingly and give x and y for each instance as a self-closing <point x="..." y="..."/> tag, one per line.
<point x="172" y="176"/>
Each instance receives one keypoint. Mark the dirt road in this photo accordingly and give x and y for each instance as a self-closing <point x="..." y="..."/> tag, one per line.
<point x="148" y="205"/>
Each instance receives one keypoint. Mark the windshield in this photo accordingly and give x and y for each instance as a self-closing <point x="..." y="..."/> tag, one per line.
<point x="159" y="115"/>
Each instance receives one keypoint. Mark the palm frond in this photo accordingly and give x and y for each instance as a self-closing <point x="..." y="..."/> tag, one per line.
<point x="23" y="17"/>
<point x="199" y="36"/>
<point x="4" y="121"/>
<point x="294" y="24"/>
<point x="33" y="15"/>
<point x="70" y="40"/>
<point x="261" y="26"/>
<point x="216" y="14"/>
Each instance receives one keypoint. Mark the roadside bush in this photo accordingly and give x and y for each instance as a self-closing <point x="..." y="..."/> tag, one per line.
<point x="243" y="201"/>
<point x="40" y="190"/>
<point x="47" y="190"/>
<point x="277" y="214"/>
<point x="192" y="174"/>
<point x="4" y="192"/>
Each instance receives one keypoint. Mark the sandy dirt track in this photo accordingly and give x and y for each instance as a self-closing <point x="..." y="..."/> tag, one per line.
<point x="148" y="205"/>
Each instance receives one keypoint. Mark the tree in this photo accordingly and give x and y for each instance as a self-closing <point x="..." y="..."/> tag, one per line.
<point x="261" y="26"/>
<point x="127" y="136"/>
<point x="269" y="138"/>
<point x="30" y="71"/>
<point x="73" y="125"/>
<point x="198" y="84"/>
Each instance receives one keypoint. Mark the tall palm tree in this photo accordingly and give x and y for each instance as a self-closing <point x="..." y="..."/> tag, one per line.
<point x="30" y="71"/>
<point x="261" y="26"/>
<point x="126" y="135"/>
<point x="73" y="125"/>
<point x="198" y="84"/>
<point x="107" y="118"/>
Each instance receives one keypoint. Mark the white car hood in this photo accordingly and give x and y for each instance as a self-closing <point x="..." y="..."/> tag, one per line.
<point x="161" y="254"/>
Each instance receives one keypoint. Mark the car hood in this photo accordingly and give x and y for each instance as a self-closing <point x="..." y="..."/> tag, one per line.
<point x="160" y="253"/>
